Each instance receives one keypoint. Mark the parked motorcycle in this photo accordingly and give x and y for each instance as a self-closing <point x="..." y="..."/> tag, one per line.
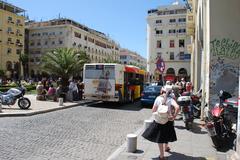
<point x="184" y="102"/>
<point x="219" y="123"/>
<point x="12" y="95"/>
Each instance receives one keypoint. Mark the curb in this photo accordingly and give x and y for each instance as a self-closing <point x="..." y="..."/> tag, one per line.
<point x="41" y="111"/>
<point x="120" y="149"/>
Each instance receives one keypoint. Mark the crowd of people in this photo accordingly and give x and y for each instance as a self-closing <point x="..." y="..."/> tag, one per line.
<point x="52" y="90"/>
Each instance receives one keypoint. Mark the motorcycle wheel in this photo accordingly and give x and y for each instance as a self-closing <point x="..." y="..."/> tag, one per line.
<point x="24" y="103"/>
<point x="188" y="125"/>
<point x="216" y="141"/>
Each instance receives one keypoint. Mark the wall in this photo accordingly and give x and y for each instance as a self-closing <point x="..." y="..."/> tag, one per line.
<point x="224" y="43"/>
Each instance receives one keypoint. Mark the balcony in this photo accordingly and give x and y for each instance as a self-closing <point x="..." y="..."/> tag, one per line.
<point x="19" y="24"/>
<point x="19" y="34"/>
<point x="10" y="22"/>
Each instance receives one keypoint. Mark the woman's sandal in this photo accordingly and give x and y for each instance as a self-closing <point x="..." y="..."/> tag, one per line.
<point x="167" y="149"/>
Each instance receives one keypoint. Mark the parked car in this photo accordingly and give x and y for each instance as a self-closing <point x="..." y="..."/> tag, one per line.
<point x="149" y="94"/>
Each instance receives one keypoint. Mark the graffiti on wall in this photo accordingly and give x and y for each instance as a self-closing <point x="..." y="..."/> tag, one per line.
<point x="225" y="48"/>
<point x="224" y="67"/>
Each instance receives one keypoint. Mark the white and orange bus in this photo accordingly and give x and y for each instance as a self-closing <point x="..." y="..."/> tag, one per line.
<point x="112" y="82"/>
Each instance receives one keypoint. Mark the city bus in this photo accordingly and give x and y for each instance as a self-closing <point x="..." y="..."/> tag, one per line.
<point x="110" y="82"/>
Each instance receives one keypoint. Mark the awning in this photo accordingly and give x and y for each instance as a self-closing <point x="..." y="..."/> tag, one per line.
<point x="169" y="78"/>
<point x="132" y="69"/>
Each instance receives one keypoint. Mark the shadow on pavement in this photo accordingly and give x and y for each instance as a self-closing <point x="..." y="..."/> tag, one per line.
<point x="111" y="105"/>
<point x="196" y="128"/>
<point x="179" y="156"/>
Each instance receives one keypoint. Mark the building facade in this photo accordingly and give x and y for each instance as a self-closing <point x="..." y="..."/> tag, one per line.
<point x="132" y="58"/>
<point x="12" y="25"/>
<point x="167" y="41"/>
<point x="65" y="33"/>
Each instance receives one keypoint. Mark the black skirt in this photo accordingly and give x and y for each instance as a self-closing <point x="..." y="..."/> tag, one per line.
<point x="160" y="133"/>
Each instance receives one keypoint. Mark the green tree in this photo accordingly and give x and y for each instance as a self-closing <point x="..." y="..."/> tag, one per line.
<point x="64" y="62"/>
<point x="23" y="58"/>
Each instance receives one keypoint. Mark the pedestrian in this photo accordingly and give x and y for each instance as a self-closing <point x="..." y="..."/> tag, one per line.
<point x="163" y="133"/>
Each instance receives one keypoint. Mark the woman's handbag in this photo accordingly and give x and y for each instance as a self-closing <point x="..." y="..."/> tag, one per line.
<point x="161" y="115"/>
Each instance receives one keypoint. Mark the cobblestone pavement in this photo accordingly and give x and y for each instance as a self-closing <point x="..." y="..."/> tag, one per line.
<point x="83" y="133"/>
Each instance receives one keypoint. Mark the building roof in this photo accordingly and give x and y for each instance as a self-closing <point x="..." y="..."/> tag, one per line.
<point x="63" y="21"/>
<point x="9" y="7"/>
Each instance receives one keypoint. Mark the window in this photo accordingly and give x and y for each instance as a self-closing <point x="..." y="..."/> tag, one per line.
<point x="172" y="12"/>
<point x="9" y="18"/>
<point x="18" y="21"/>
<point x="159" y="44"/>
<point x="32" y="44"/>
<point x="171" y="44"/>
<point x="9" y="29"/>
<point x="60" y="33"/>
<point x="171" y="55"/>
<point x="60" y="42"/>
<point x="181" y="56"/>
<point x="9" y="50"/>
<point x="18" y="51"/>
<point x="182" y="20"/>
<point x="190" y="18"/>
<point x="181" y="42"/>
<point x="182" y="30"/>
<point x="158" y="21"/>
<point x="78" y="35"/>
<point x="39" y="44"/>
<point x="46" y="43"/>
<point x="172" y="31"/>
<point x="53" y="42"/>
<point x="123" y="57"/>
<point x="159" y="31"/>
<point x="85" y="37"/>
<point x="172" y="20"/>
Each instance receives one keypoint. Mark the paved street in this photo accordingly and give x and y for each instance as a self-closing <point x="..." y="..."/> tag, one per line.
<point x="83" y="133"/>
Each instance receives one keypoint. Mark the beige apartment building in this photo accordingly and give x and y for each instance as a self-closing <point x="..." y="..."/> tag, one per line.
<point x="132" y="58"/>
<point x="168" y="57"/>
<point x="65" y="33"/>
<point x="11" y="39"/>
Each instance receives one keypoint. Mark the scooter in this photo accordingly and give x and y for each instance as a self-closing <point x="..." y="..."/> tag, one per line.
<point x="12" y="95"/>
<point x="185" y="103"/>
<point x="219" y="122"/>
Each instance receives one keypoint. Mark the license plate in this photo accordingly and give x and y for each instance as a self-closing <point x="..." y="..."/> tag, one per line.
<point x="185" y="116"/>
<point x="212" y="131"/>
<point x="151" y="96"/>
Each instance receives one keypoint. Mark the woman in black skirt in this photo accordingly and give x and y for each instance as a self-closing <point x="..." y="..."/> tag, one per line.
<point x="163" y="133"/>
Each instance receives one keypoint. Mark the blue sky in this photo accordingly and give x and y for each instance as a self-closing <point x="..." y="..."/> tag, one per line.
<point x="123" y="20"/>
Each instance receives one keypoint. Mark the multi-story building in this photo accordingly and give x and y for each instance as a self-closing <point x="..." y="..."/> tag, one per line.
<point x="167" y="41"/>
<point x="132" y="58"/>
<point x="66" y="33"/>
<point x="11" y="39"/>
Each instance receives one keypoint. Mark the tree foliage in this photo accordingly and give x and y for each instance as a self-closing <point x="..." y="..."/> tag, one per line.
<point x="64" y="62"/>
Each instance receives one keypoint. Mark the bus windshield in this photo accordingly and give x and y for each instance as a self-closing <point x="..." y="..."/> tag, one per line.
<point x="99" y="72"/>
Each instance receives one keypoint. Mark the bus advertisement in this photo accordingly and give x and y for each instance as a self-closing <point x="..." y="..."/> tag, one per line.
<point x="112" y="82"/>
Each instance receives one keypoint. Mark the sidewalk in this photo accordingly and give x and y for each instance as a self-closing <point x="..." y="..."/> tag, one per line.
<point x="37" y="107"/>
<point x="191" y="145"/>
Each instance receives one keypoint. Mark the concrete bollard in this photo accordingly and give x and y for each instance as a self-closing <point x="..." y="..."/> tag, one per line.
<point x="60" y="101"/>
<point x="131" y="143"/>
<point x="147" y="123"/>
